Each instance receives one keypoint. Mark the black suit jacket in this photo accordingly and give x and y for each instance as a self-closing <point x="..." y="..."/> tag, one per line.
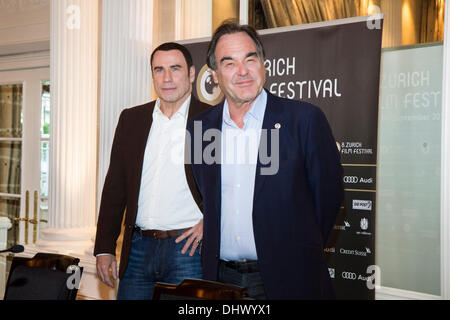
<point x="122" y="183"/>
<point x="293" y="210"/>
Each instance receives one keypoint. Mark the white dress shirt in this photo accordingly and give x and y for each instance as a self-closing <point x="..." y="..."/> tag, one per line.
<point x="165" y="200"/>
<point x="239" y="158"/>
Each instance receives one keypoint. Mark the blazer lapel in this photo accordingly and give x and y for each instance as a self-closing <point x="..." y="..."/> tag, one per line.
<point x="195" y="108"/>
<point x="272" y="117"/>
<point x="147" y="120"/>
<point x="214" y="121"/>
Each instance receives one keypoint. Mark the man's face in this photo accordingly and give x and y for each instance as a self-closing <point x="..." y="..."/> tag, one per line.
<point x="240" y="71"/>
<point x="171" y="79"/>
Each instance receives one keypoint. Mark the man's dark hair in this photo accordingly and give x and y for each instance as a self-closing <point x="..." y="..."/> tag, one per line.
<point x="230" y="27"/>
<point x="174" y="46"/>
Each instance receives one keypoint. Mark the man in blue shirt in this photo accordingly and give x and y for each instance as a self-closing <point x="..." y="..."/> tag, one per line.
<point x="266" y="218"/>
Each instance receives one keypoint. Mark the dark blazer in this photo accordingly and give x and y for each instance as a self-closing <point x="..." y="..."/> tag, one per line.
<point x="123" y="180"/>
<point x="293" y="210"/>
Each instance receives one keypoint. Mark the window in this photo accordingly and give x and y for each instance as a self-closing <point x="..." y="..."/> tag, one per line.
<point x="45" y="148"/>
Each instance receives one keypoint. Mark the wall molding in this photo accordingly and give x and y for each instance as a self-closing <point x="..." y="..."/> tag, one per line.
<point x="31" y="60"/>
<point x="23" y="48"/>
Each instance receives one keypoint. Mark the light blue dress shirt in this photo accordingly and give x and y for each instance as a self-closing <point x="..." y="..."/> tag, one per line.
<point x="239" y="158"/>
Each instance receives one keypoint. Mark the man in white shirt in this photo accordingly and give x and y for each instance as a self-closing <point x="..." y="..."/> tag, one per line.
<point x="148" y="180"/>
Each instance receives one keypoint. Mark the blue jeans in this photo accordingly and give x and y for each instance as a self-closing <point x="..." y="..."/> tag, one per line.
<point x="152" y="261"/>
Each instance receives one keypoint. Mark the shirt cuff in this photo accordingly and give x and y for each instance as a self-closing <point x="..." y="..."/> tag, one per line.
<point x="104" y="254"/>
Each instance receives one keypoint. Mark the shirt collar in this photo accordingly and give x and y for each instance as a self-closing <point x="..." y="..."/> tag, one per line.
<point x="257" y="110"/>
<point x="259" y="106"/>
<point x="182" y="111"/>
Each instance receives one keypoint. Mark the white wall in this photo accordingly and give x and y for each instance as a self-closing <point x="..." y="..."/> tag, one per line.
<point x="24" y="26"/>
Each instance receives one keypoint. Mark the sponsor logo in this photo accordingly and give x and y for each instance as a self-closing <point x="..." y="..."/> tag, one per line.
<point x="208" y="91"/>
<point x="351" y="179"/>
<point x="354" y="252"/>
<point x="364" y="224"/>
<point x="330" y="250"/>
<point x="355" y="179"/>
<point x="366" y="180"/>
<point x="346" y="225"/>
<point x="362" y="205"/>
<point x="332" y="273"/>
<point x="349" y="275"/>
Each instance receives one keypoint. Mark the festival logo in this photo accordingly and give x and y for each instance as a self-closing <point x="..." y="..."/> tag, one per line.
<point x="208" y="91"/>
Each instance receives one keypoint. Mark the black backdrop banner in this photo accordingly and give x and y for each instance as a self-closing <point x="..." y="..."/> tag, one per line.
<point x="336" y="66"/>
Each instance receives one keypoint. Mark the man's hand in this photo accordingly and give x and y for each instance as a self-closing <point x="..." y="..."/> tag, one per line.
<point x="104" y="264"/>
<point x="195" y="235"/>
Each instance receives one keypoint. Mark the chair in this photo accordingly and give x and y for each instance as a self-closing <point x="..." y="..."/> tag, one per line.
<point x="43" y="277"/>
<point x="197" y="289"/>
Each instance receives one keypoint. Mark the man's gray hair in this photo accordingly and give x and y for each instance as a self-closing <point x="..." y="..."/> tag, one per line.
<point x="230" y="27"/>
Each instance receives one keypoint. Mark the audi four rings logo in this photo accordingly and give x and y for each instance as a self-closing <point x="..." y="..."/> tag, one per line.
<point x="348" y="275"/>
<point x="350" y="179"/>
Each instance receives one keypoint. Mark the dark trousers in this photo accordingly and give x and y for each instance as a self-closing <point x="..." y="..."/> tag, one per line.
<point x="243" y="278"/>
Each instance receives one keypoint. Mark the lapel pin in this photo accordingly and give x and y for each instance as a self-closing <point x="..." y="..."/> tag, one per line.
<point x="277" y="126"/>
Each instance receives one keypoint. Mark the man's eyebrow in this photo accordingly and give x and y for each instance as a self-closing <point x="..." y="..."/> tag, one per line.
<point x="225" y="58"/>
<point x="250" y="54"/>
<point x="172" y="66"/>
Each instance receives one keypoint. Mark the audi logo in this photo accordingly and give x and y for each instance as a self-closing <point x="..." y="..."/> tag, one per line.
<point x="350" y="179"/>
<point x="348" y="275"/>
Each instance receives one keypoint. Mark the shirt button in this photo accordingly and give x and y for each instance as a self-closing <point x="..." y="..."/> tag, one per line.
<point x="238" y="238"/>
<point x="238" y="186"/>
